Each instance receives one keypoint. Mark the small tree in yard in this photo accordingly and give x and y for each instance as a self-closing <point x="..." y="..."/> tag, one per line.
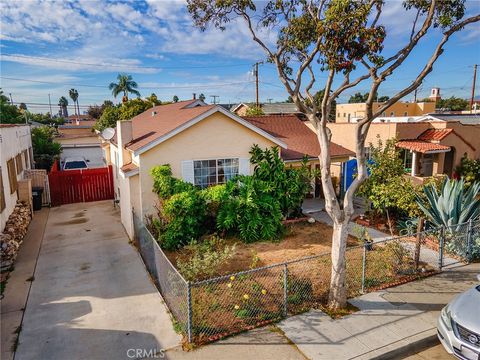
<point x="386" y="187"/>
<point x="342" y="38"/>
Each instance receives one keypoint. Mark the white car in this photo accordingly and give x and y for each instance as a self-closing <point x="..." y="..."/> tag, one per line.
<point x="458" y="326"/>
<point x="75" y="163"/>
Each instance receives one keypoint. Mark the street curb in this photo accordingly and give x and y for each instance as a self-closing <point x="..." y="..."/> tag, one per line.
<point x="410" y="349"/>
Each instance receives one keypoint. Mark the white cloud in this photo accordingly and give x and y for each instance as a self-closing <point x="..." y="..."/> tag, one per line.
<point x="84" y="63"/>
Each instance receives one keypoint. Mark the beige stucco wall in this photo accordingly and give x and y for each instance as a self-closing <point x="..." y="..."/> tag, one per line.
<point x="76" y="131"/>
<point x="344" y="133"/>
<point x="214" y="137"/>
<point x="87" y="140"/>
<point x="398" y="109"/>
<point x="242" y="110"/>
<point x="13" y="141"/>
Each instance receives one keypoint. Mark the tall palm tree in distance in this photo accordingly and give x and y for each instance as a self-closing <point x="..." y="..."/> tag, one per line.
<point x="125" y="85"/>
<point x="74" y="96"/>
<point x="63" y="103"/>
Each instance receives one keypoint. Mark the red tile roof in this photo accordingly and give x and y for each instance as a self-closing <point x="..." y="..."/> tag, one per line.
<point x="160" y="120"/>
<point x="421" y="146"/>
<point x="434" y="134"/>
<point x="299" y="138"/>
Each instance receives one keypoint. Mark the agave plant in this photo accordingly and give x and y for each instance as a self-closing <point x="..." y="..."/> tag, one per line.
<point x="451" y="204"/>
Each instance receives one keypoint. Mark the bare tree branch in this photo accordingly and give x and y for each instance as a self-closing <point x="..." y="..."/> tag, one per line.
<point x="429" y="66"/>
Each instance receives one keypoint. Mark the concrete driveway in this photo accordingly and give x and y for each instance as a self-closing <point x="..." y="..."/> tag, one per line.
<point x="91" y="297"/>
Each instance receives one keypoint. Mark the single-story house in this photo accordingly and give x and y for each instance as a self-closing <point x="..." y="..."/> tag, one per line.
<point x="79" y="140"/>
<point x="204" y="144"/>
<point x="16" y="155"/>
<point x="429" y="146"/>
<point x="301" y="141"/>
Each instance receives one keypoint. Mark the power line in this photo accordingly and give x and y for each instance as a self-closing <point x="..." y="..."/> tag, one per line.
<point x="124" y="65"/>
<point x="140" y="86"/>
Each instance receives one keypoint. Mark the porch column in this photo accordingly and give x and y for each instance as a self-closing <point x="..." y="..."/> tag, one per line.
<point x="414" y="163"/>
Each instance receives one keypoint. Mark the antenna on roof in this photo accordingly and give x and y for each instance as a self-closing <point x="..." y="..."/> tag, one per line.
<point x="215" y="98"/>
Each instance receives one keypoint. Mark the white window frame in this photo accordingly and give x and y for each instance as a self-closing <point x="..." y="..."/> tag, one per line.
<point x="216" y="169"/>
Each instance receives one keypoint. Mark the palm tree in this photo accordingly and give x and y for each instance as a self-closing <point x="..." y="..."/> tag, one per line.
<point x="125" y="85"/>
<point x="74" y="96"/>
<point x="202" y="97"/>
<point x="63" y="103"/>
<point x="175" y="98"/>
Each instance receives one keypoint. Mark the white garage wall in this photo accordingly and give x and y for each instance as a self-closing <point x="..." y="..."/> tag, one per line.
<point x="92" y="153"/>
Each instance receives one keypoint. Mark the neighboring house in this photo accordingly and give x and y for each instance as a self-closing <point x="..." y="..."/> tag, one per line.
<point x="300" y="141"/>
<point x="204" y="144"/>
<point x="79" y="140"/>
<point x="429" y="147"/>
<point x="16" y="155"/>
<point x="267" y="108"/>
<point x="348" y="113"/>
<point x="465" y="119"/>
<point x="78" y="118"/>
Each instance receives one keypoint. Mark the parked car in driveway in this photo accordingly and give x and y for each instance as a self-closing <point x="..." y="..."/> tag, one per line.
<point x="458" y="326"/>
<point x="75" y="163"/>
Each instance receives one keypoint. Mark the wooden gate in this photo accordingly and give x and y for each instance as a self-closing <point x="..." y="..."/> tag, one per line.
<point x="72" y="186"/>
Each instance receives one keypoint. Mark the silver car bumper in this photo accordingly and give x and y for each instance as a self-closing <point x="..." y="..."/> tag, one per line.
<point x="453" y="345"/>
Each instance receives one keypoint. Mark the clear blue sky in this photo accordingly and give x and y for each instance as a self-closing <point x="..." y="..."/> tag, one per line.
<point x="70" y="44"/>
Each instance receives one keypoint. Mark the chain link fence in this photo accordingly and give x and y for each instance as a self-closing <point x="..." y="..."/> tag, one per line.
<point x="210" y="309"/>
<point x="171" y="284"/>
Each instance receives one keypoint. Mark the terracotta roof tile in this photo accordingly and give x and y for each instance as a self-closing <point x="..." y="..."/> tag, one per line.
<point x="421" y="146"/>
<point x="160" y="120"/>
<point x="299" y="138"/>
<point x="434" y="134"/>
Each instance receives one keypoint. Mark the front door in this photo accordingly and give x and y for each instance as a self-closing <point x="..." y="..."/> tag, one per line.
<point x="427" y="165"/>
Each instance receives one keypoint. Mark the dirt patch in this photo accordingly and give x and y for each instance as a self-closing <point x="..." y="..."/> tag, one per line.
<point x="78" y="215"/>
<point x="73" y="222"/>
<point x="300" y="240"/>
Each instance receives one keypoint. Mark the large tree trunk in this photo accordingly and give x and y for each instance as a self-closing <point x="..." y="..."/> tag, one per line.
<point x="337" y="297"/>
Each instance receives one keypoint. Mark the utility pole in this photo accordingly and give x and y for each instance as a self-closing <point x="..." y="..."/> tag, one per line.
<point x="50" y="103"/>
<point x="415" y="95"/>
<point x="11" y="100"/>
<point x="215" y="98"/>
<point x="255" y="71"/>
<point x="473" y="87"/>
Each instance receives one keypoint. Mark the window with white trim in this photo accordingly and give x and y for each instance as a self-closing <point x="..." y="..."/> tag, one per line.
<point x="214" y="171"/>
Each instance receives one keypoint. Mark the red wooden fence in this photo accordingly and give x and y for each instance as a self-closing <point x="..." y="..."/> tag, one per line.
<point x="72" y="186"/>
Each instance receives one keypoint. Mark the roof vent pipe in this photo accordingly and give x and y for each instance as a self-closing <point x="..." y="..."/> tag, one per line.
<point x="154" y="113"/>
<point x="194" y="96"/>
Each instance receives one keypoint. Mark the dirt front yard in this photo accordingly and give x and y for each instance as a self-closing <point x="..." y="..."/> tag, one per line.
<point x="301" y="239"/>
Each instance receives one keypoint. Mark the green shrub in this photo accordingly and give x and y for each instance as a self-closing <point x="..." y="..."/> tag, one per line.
<point x="184" y="216"/>
<point x="287" y="184"/>
<point x="469" y="169"/>
<point x="249" y="209"/>
<point x="213" y="196"/>
<point x="165" y="185"/>
<point x="205" y="259"/>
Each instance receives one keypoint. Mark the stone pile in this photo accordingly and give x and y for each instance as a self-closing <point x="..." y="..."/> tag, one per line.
<point x="13" y="234"/>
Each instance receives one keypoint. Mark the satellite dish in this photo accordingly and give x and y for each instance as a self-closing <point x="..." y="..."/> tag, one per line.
<point x="108" y="133"/>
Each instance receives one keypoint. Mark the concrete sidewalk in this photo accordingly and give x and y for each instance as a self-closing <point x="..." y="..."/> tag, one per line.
<point x="91" y="298"/>
<point x="389" y="322"/>
<point x="19" y="283"/>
